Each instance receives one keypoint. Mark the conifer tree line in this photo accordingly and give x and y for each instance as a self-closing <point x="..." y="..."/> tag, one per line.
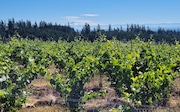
<point x="54" y="32"/>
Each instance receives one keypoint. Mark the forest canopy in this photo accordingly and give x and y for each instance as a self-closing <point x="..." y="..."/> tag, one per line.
<point x="54" y="32"/>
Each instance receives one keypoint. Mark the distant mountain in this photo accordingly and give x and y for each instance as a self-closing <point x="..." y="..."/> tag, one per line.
<point x="166" y="26"/>
<point x="154" y="27"/>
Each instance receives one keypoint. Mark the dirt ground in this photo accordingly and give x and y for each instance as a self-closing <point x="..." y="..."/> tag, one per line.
<point x="45" y="98"/>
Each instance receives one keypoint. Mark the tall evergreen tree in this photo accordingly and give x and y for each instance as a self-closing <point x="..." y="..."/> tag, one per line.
<point x="109" y="29"/>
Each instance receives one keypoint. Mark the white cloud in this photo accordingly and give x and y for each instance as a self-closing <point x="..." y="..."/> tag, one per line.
<point x="79" y="21"/>
<point x="72" y="17"/>
<point x="90" y="15"/>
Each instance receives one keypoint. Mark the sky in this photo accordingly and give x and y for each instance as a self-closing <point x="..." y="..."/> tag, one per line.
<point x="93" y="12"/>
